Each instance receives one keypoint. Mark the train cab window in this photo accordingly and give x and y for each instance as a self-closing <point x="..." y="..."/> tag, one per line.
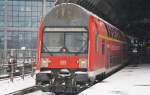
<point x="96" y="43"/>
<point x="65" y="41"/>
<point x="103" y="46"/>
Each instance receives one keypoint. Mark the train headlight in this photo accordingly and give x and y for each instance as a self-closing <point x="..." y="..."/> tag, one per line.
<point x="83" y="63"/>
<point x="45" y="62"/>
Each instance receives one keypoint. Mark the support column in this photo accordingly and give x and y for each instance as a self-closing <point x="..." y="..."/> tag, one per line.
<point x="5" y="32"/>
<point x="44" y="7"/>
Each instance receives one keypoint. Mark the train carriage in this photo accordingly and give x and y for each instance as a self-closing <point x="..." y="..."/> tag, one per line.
<point x="75" y="47"/>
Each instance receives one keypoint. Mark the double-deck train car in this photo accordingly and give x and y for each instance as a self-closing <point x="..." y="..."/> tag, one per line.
<point x="76" y="47"/>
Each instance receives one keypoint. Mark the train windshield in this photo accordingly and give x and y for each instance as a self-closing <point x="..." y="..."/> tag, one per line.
<point x="65" y="42"/>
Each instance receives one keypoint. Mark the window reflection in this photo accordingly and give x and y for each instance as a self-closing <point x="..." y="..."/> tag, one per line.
<point x="73" y="42"/>
<point x="18" y="9"/>
<point x="19" y="39"/>
<point x="15" y="2"/>
<point x="20" y="14"/>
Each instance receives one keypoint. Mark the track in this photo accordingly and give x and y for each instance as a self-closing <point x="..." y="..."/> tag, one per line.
<point x="34" y="90"/>
<point x="39" y="92"/>
<point x="24" y="91"/>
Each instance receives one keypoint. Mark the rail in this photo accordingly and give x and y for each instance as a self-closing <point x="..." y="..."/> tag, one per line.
<point x="24" y="91"/>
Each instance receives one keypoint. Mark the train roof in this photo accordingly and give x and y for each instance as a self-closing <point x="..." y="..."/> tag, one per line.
<point x="70" y="15"/>
<point x="66" y="15"/>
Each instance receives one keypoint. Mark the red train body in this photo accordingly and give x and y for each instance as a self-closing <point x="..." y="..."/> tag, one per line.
<point x="77" y="44"/>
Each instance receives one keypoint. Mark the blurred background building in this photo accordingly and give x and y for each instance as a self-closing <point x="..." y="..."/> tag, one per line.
<point x="19" y="20"/>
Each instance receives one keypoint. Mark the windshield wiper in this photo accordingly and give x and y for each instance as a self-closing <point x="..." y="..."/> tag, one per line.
<point x="64" y="49"/>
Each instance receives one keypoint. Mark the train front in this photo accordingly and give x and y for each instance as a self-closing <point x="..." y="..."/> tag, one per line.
<point x="63" y="48"/>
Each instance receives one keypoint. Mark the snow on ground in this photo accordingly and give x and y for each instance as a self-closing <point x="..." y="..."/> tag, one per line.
<point x="6" y="86"/>
<point x="4" y="75"/>
<point x="40" y="93"/>
<point x="129" y="81"/>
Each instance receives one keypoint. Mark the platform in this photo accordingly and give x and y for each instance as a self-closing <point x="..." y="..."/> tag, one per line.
<point x="6" y="86"/>
<point x="132" y="80"/>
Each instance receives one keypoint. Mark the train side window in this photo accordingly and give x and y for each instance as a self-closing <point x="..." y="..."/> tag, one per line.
<point x="96" y="43"/>
<point x="108" y="30"/>
<point x="103" y="46"/>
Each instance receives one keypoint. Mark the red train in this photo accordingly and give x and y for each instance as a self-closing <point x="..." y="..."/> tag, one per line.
<point x="76" y="48"/>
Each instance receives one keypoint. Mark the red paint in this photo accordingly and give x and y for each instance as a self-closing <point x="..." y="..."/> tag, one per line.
<point x="63" y="62"/>
<point x="91" y="44"/>
<point x="102" y="58"/>
<point x="40" y="33"/>
<point x="96" y="60"/>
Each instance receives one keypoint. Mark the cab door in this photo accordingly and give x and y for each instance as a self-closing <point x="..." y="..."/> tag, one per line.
<point x="103" y="44"/>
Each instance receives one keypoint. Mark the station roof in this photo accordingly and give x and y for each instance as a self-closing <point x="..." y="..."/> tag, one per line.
<point x="131" y="16"/>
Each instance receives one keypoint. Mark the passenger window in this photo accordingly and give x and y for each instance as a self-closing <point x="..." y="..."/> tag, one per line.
<point x="96" y="43"/>
<point x="103" y="46"/>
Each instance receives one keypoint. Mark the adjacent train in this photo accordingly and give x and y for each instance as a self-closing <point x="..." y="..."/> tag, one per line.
<point x="77" y="48"/>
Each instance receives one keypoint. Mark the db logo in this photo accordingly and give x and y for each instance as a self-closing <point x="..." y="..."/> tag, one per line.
<point x="63" y="62"/>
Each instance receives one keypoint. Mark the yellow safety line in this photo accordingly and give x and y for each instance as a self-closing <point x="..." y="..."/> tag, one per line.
<point x="111" y="39"/>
